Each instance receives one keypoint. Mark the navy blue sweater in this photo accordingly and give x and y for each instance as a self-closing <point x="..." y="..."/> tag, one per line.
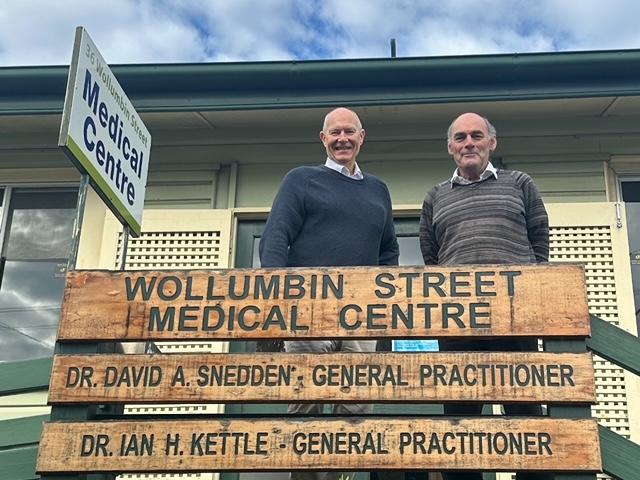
<point x="323" y="218"/>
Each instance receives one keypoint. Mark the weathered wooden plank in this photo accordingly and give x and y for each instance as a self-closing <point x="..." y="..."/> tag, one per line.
<point x="342" y="377"/>
<point x="358" y="302"/>
<point x="494" y="444"/>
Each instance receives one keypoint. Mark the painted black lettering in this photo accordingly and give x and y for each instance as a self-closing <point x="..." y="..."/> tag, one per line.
<point x="189" y="292"/>
<point x="344" y="323"/>
<point x="476" y="314"/>
<point x="293" y="287"/>
<point x="241" y="318"/>
<point x="380" y="282"/>
<point x="96" y="446"/>
<point x="295" y="327"/>
<point x="265" y="290"/>
<point x="552" y="376"/>
<point x="439" y="372"/>
<point x="397" y="313"/>
<point x="336" y="289"/>
<point x="537" y="375"/>
<point x="162" y="322"/>
<point x="530" y="443"/>
<point x="373" y="315"/>
<point x="456" y="283"/>
<point x="409" y="278"/>
<point x="140" y="284"/>
<point x="167" y="291"/>
<point x="511" y="282"/>
<point x="425" y="373"/>
<point x="566" y="375"/>
<point x="445" y="443"/>
<point x="233" y="281"/>
<point x="276" y="318"/>
<point x="172" y="444"/>
<point x="433" y="280"/>
<point x="544" y="443"/>
<point x="452" y="311"/>
<point x="480" y="283"/>
<point x="185" y="316"/>
<point x="427" y="307"/>
<point x="207" y="326"/>
<point x="211" y="287"/>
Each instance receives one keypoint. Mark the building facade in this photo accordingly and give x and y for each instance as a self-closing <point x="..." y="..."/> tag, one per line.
<point x="224" y="135"/>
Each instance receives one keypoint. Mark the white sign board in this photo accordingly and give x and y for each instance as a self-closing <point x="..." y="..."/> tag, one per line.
<point x="103" y="135"/>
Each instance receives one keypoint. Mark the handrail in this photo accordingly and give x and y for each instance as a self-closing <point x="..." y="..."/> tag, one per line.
<point x="620" y="456"/>
<point x="614" y="344"/>
<point x="25" y="375"/>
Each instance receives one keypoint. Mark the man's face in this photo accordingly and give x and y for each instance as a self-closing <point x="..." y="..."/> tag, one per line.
<point x="470" y="145"/>
<point x="342" y="137"/>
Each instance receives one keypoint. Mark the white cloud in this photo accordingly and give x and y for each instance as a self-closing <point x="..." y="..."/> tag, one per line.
<point x="37" y="32"/>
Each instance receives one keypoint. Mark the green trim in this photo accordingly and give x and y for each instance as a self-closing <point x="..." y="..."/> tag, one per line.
<point x="25" y="375"/>
<point x="19" y="463"/>
<point x="21" y="431"/>
<point x="104" y="190"/>
<point x="620" y="457"/>
<point x="305" y="84"/>
<point x="615" y="345"/>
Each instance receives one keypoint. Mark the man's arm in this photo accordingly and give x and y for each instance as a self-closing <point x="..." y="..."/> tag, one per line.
<point x="389" y="249"/>
<point x="428" y="243"/>
<point x="537" y="221"/>
<point x="284" y="222"/>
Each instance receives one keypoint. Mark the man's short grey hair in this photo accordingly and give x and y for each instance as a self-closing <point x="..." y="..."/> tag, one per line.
<point x="490" y="128"/>
<point x="326" y="118"/>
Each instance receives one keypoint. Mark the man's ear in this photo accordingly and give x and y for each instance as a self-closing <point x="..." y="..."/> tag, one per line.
<point x="493" y="143"/>
<point x="323" y="137"/>
<point x="362" y="135"/>
<point x="449" y="148"/>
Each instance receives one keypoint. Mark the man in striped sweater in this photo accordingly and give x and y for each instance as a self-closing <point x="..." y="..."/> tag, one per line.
<point x="483" y="215"/>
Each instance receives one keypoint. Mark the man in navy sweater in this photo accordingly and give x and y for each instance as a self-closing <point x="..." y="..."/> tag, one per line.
<point x="331" y="215"/>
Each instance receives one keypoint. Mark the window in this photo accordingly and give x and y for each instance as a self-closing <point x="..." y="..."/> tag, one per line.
<point x="35" y="241"/>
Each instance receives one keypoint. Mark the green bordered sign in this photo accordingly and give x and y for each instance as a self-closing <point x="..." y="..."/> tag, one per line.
<point x="103" y="134"/>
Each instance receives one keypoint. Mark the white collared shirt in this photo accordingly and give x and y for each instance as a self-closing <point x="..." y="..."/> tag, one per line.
<point x="488" y="172"/>
<point x="333" y="165"/>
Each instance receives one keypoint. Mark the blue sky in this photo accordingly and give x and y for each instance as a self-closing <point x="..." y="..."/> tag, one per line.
<point x="40" y="32"/>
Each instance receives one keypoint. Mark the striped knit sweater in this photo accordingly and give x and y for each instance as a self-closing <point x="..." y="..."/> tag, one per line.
<point x="499" y="220"/>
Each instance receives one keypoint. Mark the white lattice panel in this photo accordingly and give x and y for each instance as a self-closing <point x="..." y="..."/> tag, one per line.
<point x="166" y="247"/>
<point x="168" y="250"/>
<point x="593" y="247"/>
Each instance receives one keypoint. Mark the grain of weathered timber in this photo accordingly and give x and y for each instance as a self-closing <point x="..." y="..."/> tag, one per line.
<point x="358" y="302"/>
<point x="341" y="377"/>
<point x="497" y="444"/>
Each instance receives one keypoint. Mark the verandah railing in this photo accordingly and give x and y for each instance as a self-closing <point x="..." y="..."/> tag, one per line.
<point x="620" y="351"/>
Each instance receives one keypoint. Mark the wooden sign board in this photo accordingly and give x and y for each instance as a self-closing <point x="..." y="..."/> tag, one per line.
<point x="492" y="444"/>
<point x="356" y="302"/>
<point x="340" y="377"/>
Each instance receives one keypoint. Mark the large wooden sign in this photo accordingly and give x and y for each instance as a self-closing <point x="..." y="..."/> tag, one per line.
<point x="358" y="302"/>
<point x="321" y="444"/>
<point x="341" y="377"/>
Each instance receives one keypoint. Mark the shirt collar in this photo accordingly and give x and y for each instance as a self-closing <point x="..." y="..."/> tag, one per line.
<point x="488" y="172"/>
<point x="333" y="165"/>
